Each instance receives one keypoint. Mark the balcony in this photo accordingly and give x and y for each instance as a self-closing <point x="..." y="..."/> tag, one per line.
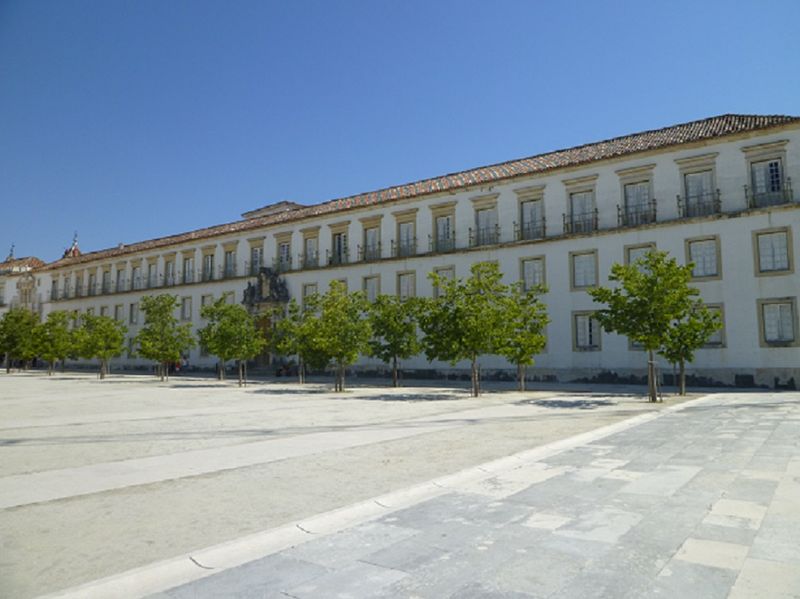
<point x="531" y="230"/>
<point x="309" y="260"/>
<point x="484" y="236"/>
<point x="338" y="257"/>
<point x="580" y="222"/>
<point x="762" y="199"/>
<point x="53" y="295"/>
<point x="369" y="253"/>
<point x="229" y="271"/>
<point x="442" y="244"/>
<point x="639" y="214"/>
<point x="283" y="264"/>
<point x="703" y="204"/>
<point x="404" y="248"/>
<point x="207" y="274"/>
<point x="254" y="268"/>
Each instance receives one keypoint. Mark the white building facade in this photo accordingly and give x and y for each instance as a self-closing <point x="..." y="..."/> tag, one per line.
<point x="715" y="192"/>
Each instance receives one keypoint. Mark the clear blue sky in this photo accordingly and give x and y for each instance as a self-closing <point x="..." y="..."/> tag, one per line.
<point x="128" y="120"/>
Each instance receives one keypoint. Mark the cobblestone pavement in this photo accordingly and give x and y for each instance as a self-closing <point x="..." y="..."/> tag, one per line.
<point x="698" y="501"/>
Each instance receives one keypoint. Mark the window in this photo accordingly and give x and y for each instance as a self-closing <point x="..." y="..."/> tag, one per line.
<point x="406" y="285"/>
<point x="284" y="255"/>
<point x="372" y="287"/>
<point x="133" y="313"/>
<point x="186" y="308"/>
<point x="446" y="273"/>
<point x="704" y="254"/>
<point x="106" y="281"/>
<point x="120" y="279"/>
<point x="119" y="312"/>
<point x="372" y="243"/>
<point x="531" y="219"/>
<point x="772" y="251"/>
<point x="638" y="206"/>
<point x="444" y="240"/>
<point x="532" y="272"/>
<point x="230" y="263"/>
<point x="406" y="240"/>
<point x="188" y="270"/>
<point x="78" y="285"/>
<point x="92" y="283"/>
<point x="152" y="275"/>
<point x="584" y="269"/>
<point x="767" y="181"/>
<point x="208" y="267"/>
<point x="777" y="320"/>
<point x="53" y="290"/>
<point x="310" y="252"/>
<point x="169" y="272"/>
<point x="700" y="196"/>
<point x="206" y="300"/>
<point x="486" y="230"/>
<point x="256" y="259"/>
<point x="104" y="311"/>
<point x="582" y="215"/>
<point x="137" y="277"/>
<point x="309" y="289"/>
<point x="343" y="283"/>
<point x="586" y="332"/>
<point x="229" y="296"/>
<point x="717" y="339"/>
<point x="90" y="311"/>
<point x="339" y="248"/>
<point x="634" y="252"/>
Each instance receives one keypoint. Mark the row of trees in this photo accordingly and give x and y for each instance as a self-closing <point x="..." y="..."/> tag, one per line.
<point x="468" y="318"/>
<point x="651" y="303"/>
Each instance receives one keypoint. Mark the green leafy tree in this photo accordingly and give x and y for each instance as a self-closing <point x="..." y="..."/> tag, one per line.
<point x="688" y="334"/>
<point x="525" y="322"/>
<point x="394" y="330"/>
<point x="100" y="337"/>
<point x="162" y="338"/>
<point x="54" y="338"/>
<point x="652" y="294"/>
<point x="17" y="336"/>
<point x="466" y="319"/>
<point x="231" y="334"/>
<point x="343" y="330"/>
<point x="295" y="334"/>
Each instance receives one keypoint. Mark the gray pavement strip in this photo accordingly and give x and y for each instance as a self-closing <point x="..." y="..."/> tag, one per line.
<point x="181" y="570"/>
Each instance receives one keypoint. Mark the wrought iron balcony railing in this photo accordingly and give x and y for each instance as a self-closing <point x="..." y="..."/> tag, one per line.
<point x="581" y="222"/>
<point x="535" y="229"/>
<point x="702" y="204"/>
<point x="484" y="236"/>
<point x="370" y="252"/>
<point x="639" y="214"/>
<point x="761" y="199"/>
<point x="310" y="260"/>
<point x="283" y="264"/>
<point x="443" y="244"/>
<point x="338" y="257"/>
<point x="404" y="248"/>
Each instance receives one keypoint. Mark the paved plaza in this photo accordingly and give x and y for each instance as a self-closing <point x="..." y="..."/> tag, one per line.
<point x="130" y="487"/>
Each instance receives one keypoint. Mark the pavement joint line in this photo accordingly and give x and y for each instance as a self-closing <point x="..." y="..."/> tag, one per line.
<point x="173" y="572"/>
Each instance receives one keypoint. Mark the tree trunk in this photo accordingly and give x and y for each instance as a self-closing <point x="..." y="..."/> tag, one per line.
<point x="682" y="367"/>
<point x="474" y="377"/>
<point x="102" y="369"/>
<point x="49" y="369"/>
<point x="301" y="370"/>
<point x="8" y="363"/>
<point x="651" y="379"/>
<point x="395" y="382"/>
<point x="521" y="377"/>
<point x="239" y="364"/>
<point x="244" y="370"/>
<point x="221" y="370"/>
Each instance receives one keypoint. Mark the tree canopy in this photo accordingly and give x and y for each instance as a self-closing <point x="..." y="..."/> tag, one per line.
<point x="54" y="338"/>
<point x="17" y="341"/>
<point x="394" y="330"/>
<point x="162" y="338"/>
<point x="525" y="322"/>
<point x="100" y="337"/>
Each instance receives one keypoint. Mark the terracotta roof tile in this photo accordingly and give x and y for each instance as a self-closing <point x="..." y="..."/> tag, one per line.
<point x="709" y="128"/>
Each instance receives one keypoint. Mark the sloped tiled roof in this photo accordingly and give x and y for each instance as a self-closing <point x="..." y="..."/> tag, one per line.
<point x="21" y="263"/>
<point x="710" y="128"/>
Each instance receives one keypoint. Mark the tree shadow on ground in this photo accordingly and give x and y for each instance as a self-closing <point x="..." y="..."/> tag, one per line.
<point x="568" y="404"/>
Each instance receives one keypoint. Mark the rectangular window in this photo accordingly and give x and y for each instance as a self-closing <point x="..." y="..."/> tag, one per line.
<point x="309" y="289"/>
<point x="444" y="240"/>
<point x="705" y="257"/>
<point x="406" y="240"/>
<point x="188" y="270"/>
<point x="767" y="179"/>
<point x="284" y="255"/>
<point x="92" y="284"/>
<point x="339" y="248"/>
<point x="208" y="267"/>
<point x="638" y="209"/>
<point x="635" y="252"/>
<point x="311" y="252"/>
<point x="90" y="311"/>
<point x="532" y="219"/>
<point x="120" y="280"/>
<point x="532" y="272"/>
<point x="106" y="281"/>
<point x="700" y="196"/>
<point x="133" y="313"/>
<point x="186" y="308"/>
<point x="152" y="275"/>
<point x="372" y="246"/>
<point x="230" y="263"/>
<point x="206" y="300"/>
<point x="103" y="310"/>
<point x="256" y="259"/>
<point x="778" y="326"/>
<point x="773" y="251"/>
<point x="717" y="339"/>
<point x="486" y="230"/>
<point x="53" y="290"/>
<point x="119" y="313"/>
<point x="582" y="214"/>
<point x="137" y="277"/>
<point x="372" y="286"/>
<point x="446" y="273"/>
<point x="79" y="285"/>
<point x="584" y="269"/>
<point x="169" y="272"/>
<point x="586" y="332"/>
<point x="406" y="285"/>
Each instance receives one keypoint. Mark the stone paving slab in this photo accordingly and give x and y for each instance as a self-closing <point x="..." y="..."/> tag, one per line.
<point x="641" y="514"/>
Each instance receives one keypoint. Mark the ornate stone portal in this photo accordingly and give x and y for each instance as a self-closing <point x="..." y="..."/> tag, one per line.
<point x="263" y="299"/>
